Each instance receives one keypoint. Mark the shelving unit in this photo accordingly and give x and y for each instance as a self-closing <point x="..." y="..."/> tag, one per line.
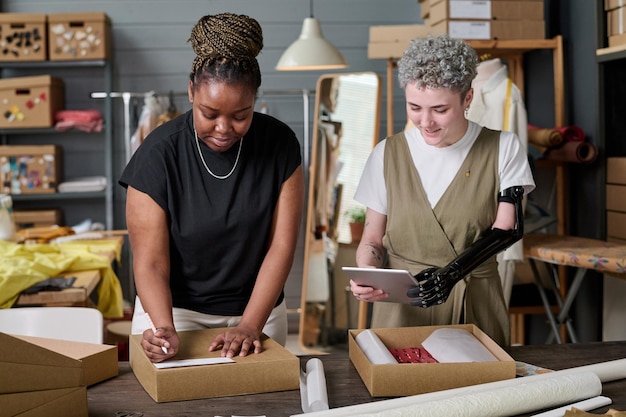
<point x="9" y="136"/>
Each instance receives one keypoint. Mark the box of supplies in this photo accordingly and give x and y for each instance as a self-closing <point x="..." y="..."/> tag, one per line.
<point x="37" y="218"/>
<point x="30" y="169"/>
<point x="486" y="10"/>
<point x="274" y="369"/>
<point x="24" y="37"/>
<point x="394" y="378"/>
<point x="79" y="36"/>
<point x="27" y="102"/>
<point x="492" y="29"/>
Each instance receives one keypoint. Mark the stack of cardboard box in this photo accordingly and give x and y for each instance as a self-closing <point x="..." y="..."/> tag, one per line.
<point x="615" y="23"/>
<point x="49" y="377"/>
<point x="483" y="20"/>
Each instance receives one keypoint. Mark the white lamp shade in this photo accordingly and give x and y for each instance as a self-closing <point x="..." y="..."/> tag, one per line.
<point x="311" y="51"/>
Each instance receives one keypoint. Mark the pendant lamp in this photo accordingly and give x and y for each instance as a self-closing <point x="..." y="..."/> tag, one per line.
<point x="311" y="51"/>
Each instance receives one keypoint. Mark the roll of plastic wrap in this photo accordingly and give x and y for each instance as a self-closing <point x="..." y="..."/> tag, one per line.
<point x="605" y="372"/>
<point x="581" y="152"/>
<point x="374" y="349"/>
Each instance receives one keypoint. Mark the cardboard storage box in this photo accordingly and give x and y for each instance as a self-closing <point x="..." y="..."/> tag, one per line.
<point x="30" y="169"/>
<point x="615" y="23"/>
<point x="27" y="102"/>
<point x="486" y="10"/>
<point x="613" y="4"/>
<point x="37" y="218"/>
<point x="492" y="29"/>
<point x="79" y="36"/>
<point x="617" y="40"/>
<point x="397" y="33"/>
<point x="275" y="369"/>
<point x="24" y="37"/>
<point x="404" y="379"/>
<point x="37" y="363"/>
<point x="616" y="197"/>
<point x="65" y="402"/>
<point x="616" y="224"/>
<point x="616" y="170"/>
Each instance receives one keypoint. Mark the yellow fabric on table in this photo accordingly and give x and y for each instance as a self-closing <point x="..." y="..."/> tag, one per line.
<point x="22" y="266"/>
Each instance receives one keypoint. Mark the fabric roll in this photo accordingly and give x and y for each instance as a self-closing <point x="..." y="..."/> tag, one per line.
<point x="580" y="152"/>
<point x="544" y="138"/>
<point x="374" y="349"/>
<point x="572" y="133"/>
<point x="604" y="371"/>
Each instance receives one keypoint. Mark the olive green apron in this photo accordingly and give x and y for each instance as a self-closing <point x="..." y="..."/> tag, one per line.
<point x="419" y="237"/>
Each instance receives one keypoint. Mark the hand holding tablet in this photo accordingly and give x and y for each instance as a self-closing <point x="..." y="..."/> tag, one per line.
<point x="395" y="282"/>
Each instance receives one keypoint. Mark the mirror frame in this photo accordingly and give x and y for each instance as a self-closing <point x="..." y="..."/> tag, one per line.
<point x="308" y="236"/>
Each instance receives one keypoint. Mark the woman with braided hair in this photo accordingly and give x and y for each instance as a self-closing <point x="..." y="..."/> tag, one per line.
<point x="214" y="204"/>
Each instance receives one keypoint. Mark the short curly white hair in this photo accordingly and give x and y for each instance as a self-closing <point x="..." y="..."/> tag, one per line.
<point x="438" y="61"/>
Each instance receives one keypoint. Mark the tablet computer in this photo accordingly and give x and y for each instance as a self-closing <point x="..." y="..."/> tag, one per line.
<point x="395" y="282"/>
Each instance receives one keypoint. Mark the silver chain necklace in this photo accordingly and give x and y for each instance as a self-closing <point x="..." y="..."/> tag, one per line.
<point x="219" y="177"/>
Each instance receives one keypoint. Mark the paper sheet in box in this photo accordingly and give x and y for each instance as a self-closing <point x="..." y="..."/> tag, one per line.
<point x="275" y="369"/>
<point x="402" y="379"/>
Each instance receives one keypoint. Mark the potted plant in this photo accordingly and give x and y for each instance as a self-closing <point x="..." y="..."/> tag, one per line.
<point x="356" y="218"/>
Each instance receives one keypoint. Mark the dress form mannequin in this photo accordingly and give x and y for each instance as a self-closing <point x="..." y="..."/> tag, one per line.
<point x="486" y="69"/>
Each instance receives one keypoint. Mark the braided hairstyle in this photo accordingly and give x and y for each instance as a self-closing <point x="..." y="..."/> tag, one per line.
<point x="226" y="46"/>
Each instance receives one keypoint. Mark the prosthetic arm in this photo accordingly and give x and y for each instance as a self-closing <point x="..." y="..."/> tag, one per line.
<point x="435" y="284"/>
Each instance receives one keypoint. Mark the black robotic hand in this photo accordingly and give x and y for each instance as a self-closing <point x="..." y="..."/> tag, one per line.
<point x="434" y="286"/>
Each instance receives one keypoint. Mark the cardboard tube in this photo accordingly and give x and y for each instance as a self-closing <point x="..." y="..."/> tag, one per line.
<point x="572" y="133"/>
<point x="580" y="152"/>
<point x="544" y="138"/>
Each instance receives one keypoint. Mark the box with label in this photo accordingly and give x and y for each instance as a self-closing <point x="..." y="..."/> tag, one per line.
<point x="403" y="379"/>
<point x="486" y="10"/>
<point x="274" y="369"/>
<point x="38" y="363"/>
<point x="27" y="102"/>
<point x="24" y="37"/>
<point x="30" y="169"/>
<point x="492" y="29"/>
<point x="79" y="36"/>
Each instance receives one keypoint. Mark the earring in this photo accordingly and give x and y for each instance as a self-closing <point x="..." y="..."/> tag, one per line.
<point x="467" y="112"/>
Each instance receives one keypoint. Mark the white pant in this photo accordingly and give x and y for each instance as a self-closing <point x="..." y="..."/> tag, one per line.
<point x="275" y="326"/>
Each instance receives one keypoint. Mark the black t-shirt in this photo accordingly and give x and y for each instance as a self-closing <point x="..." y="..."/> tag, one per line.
<point x="219" y="229"/>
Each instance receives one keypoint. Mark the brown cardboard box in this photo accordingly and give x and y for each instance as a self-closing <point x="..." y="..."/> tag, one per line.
<point x="492" y="29"/>
<point x="397" y="33"/>
<point x="616" y="197"/>
<point x="617" y="40"/>
<point x="616" y="224"/>
<point x="616" y="170"/>
<point x="385" y="50"/>
<point x="613" y="4"/>
<point x="30" y="101"/>
<point x="30" y="169"/>
<point x="37" y="218"/>
<point x="275" y="369"/>
<point x="485" y="10"/>
<point x="37" y="363"/>
<point x="78" y="36"/>
<point x="24" y="37"/>
<point x="65" y="402"/>
<point x="411" y="379"/>
<point x="615" y="22"/>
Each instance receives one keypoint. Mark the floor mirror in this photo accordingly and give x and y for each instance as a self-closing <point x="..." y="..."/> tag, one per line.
<point x="346" y="125"/>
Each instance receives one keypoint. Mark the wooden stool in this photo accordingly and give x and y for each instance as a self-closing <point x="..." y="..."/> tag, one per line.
<point x="583" y="254"/>
<point x="117" y="333"/>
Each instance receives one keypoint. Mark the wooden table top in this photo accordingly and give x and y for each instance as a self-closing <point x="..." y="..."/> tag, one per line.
<point x="124" y="393"/>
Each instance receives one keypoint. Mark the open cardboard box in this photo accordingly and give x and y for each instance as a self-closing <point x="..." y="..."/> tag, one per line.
<point x="275" y="369"/>
<point x="37" y="363"/>
<point x="403" y="379"/>
<point x="66" y="402"/>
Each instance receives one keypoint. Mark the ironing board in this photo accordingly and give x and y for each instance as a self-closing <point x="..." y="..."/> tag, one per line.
<point x="582" y="254"/>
